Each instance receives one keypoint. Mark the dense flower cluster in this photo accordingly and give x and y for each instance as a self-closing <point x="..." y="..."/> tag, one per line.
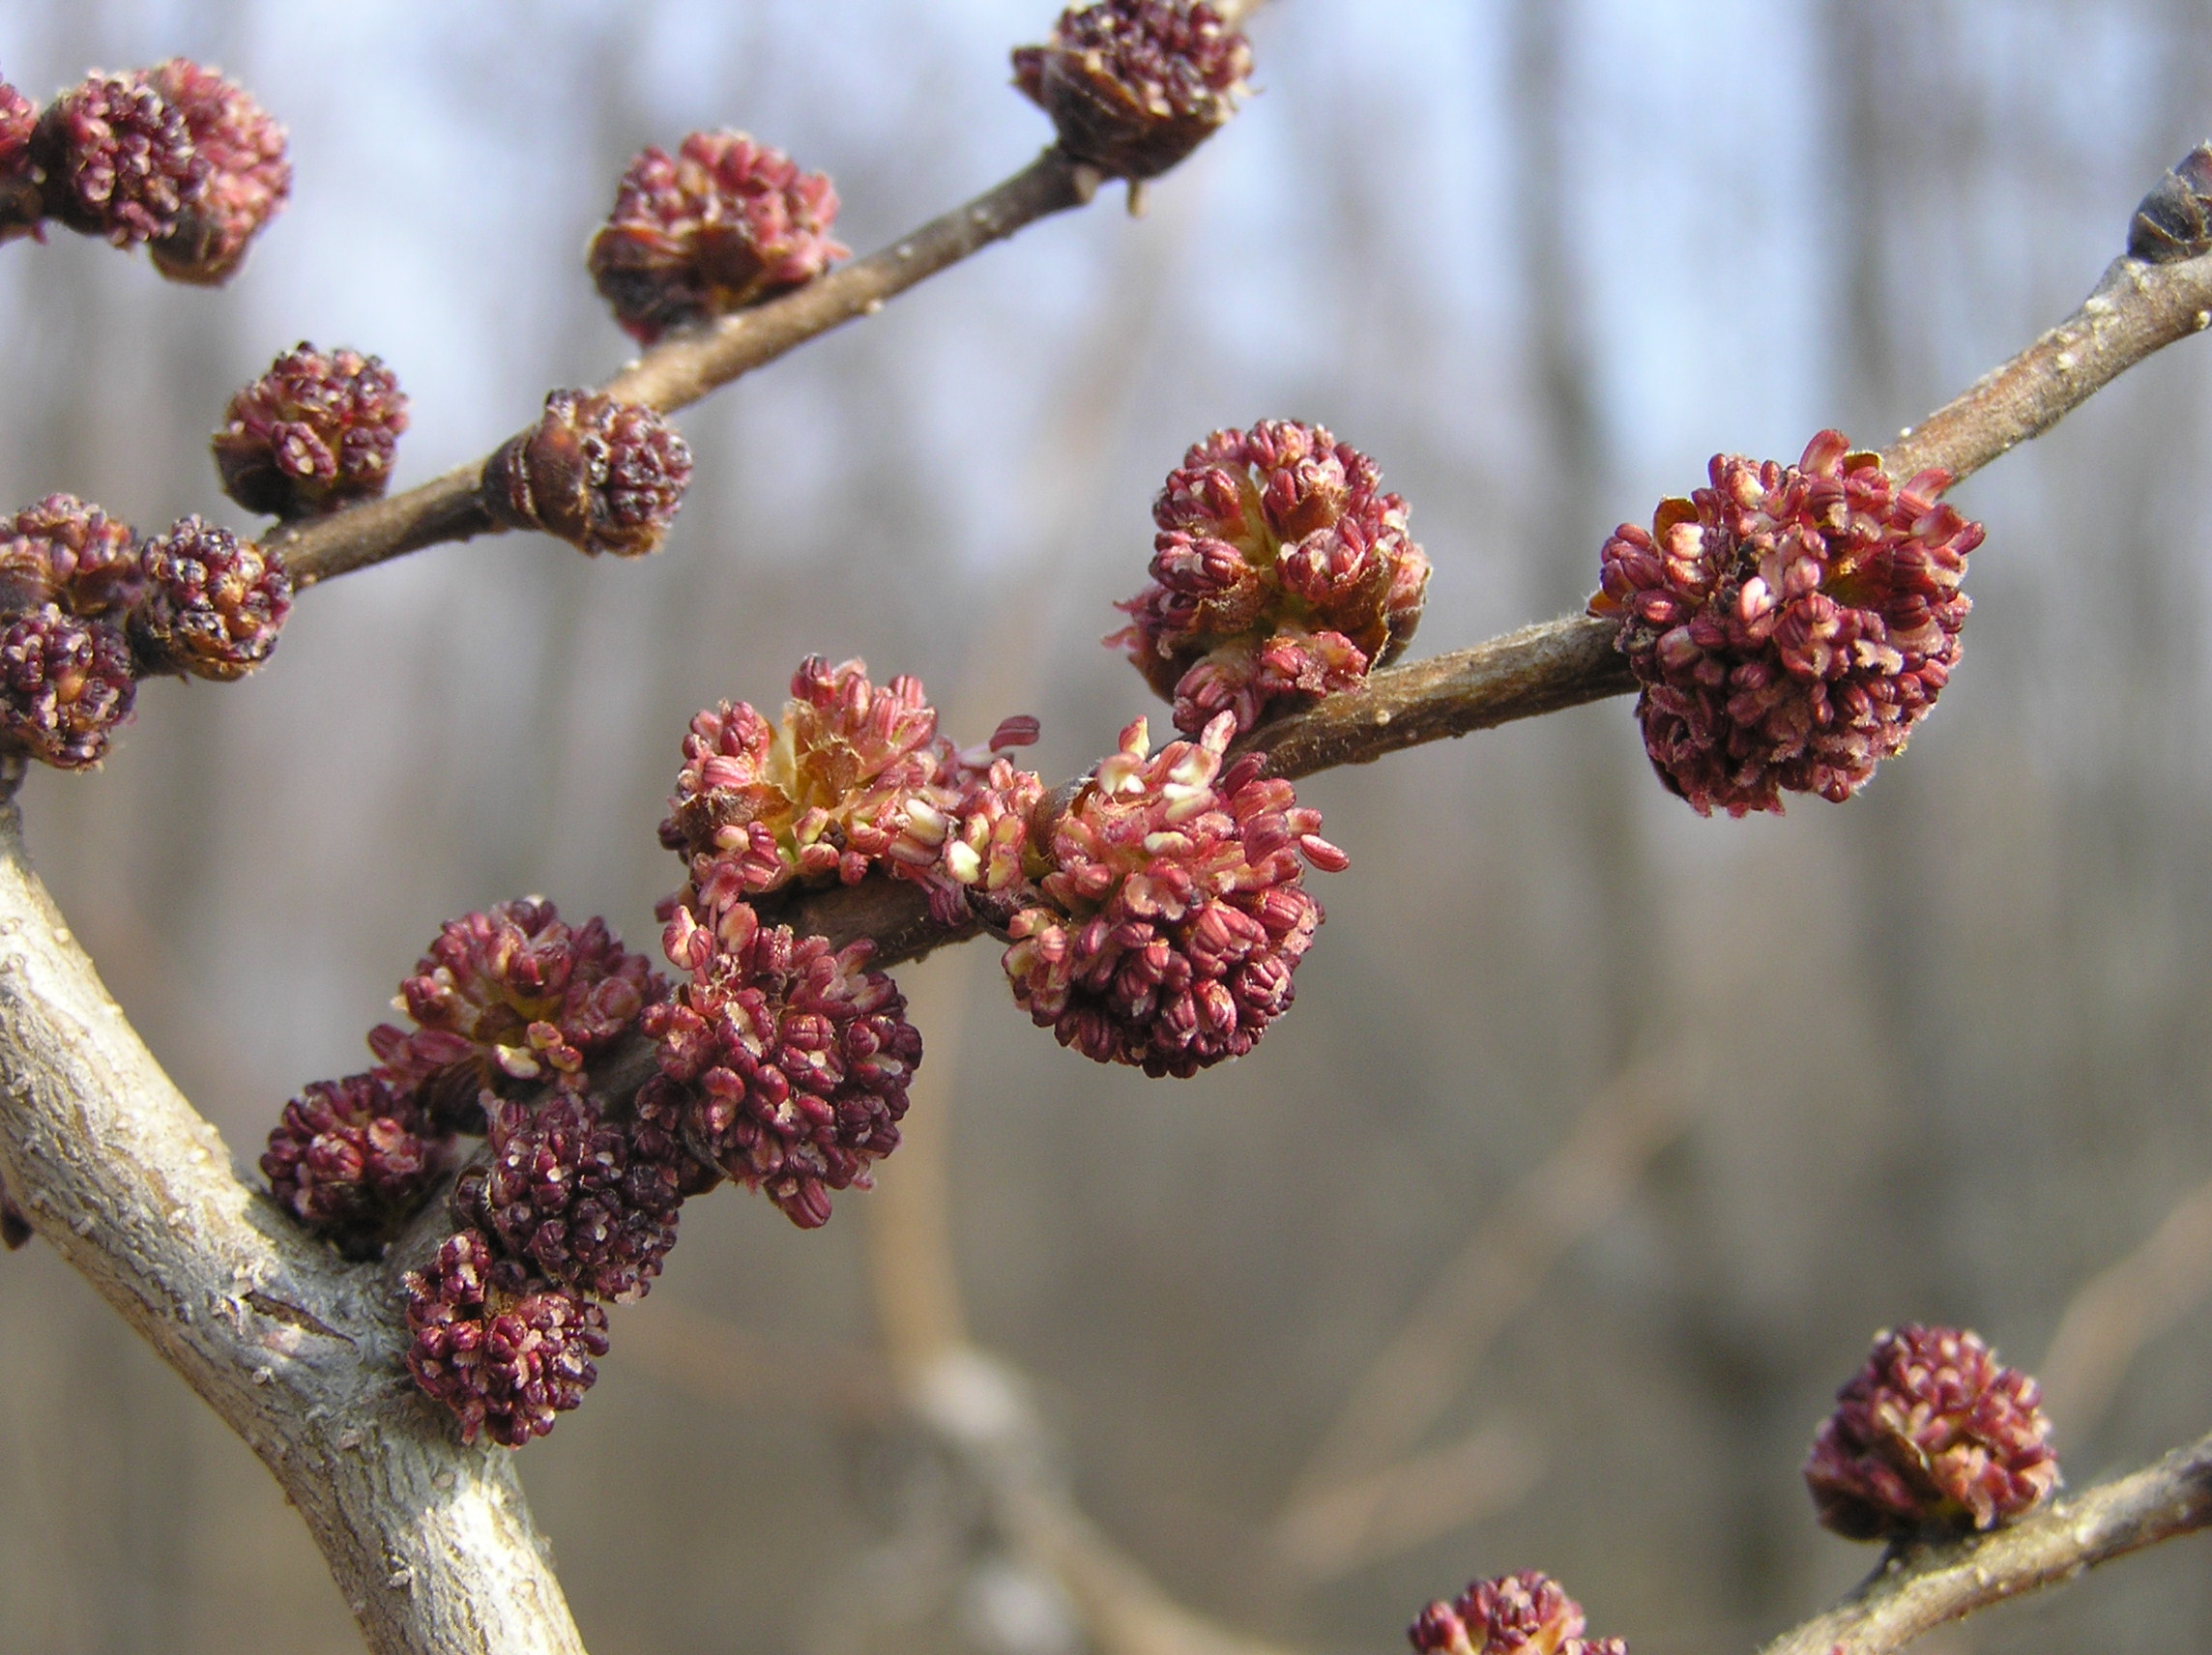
<point x="796" y="1057"/>
<point x="315" y="433"/>
<point x="513" y="996"/>
<point x="1133" y="86"/>
<point x="118" y="159"/>
<point x="1513" y="1613"/>
<point x="1931" y="1437"/>
<point x="578" y="1198"/>
<point x="214" y="603"/>
<point x="1165" y="934"/>
<point x="1281" y="568"/>
<point x="65" y="685"/>
<point x="1790" y="625"/>
<point x="175" y="156"/>
<point x="352" y="1160"/>
<point x="247" y="180"/>
<point x="506" y="1358"/>
<point x="64" y="552"/>
<point x="854" y="776"/>
<point x="604" y="475"/>
<point x="722" y="224"/>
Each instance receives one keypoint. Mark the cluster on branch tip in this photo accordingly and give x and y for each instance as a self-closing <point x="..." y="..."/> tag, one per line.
<point x="509" y="999"/>
<point x="1513" y="1613"/>
<point x="314" y="434"/>
<point x="505" y="1357"/>
<point x="176" y="156"/>
<point x="604" y="475"/>
<point x="87" y="608"/>
<point x="1281" y="569"/>
<point x="1133" y="86"/>
<point x="1175" y="912"/>
<point x="1932" y="1437"/>
<point x="1790" y="625"/>
<point x="722" y="224"/>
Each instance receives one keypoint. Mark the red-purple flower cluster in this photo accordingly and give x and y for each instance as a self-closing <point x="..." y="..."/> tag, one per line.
<point x="175" y="156"/>
<point x="505" y="1357"/>
<point x="604" y="475"/>
<point x="85" y="608"/>
<point x="1133" y="86"/>
<point x="722" y="224"/>
<point x="511" y="997"/>
<point x="576" y="1197"/>
<point x="214" y="603"/>
<point x="249" y="174"/>
<point x="1167" y="932"/>
<point x="1281" y="569"/>
<point x="1513" y="1613"/>
<point x="1931" y="1437"/>
<point x="1790" y="625"/>
<point x="354" y="1159"/>
<point x="314" y="434"/>
<point x="796" y="1057"/>
<point x="854" y="776"/>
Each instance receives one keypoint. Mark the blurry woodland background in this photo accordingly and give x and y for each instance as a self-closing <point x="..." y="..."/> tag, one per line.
<point x="1615" y="1132"/>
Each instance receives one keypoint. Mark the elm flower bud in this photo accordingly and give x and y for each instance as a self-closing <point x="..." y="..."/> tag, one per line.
<point x="513" y="996"/>
<point x="1931" y="1437"/>
<point x="797" y="1059"/>
<point x="314" y="434"/>
<point x="854" y="777"/>
<point x="1281" y="569"/>
<point x="15" y="1228"/>
<point x="2175" y="220"/>
<point x="1167" y="932"/>
<point x="354" y="1159"/>
<point x="118" y="159"/>
<point x="722" y="224"/>
<point x="20" y="205"/>
<point x="1513" y="1613"/>
<point x="1790" y="625"/>
<point x="247" y="180"/>
<point x="504" y="1360"/>
<point x="570" y="1194"/>
<point x="64" y="552"/>
<point x="65" y="686"/>
<point x="214" y="603"/>
<point x="1133" y="86"/>
<point x="604" y="475"/>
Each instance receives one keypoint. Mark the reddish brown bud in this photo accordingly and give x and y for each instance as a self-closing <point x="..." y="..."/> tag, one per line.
<point x="1281" y="571"/>
<point x="64" y="552"/>
<point x="214" y="603"/>
<point x="118" y="159"/>
<point x="1133" y="86"/>
<point x="352" y="1160"/>
<point x="722" y="224"/>
<point x="796" y="1060"/>
<point x="576" y="1197"/>
<point x="604" y="475"/>
<point x="20" y="205"/>
<point x="1167" y="932"/>
<point x="315" y="433"/>
<point x="65" y="686"/>
<point x="514" y="998"/>
<point x="505" y="1360"/>
<point x="1512" y="1614"/>
<point x="248" y="179"/>
<point x="15" y="1228"/>
<point x="1790" y="625"/>
<point x="1931" y="1437"/>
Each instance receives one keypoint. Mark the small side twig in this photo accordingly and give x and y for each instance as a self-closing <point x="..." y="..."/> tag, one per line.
<point x="1916" y="1591"/>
